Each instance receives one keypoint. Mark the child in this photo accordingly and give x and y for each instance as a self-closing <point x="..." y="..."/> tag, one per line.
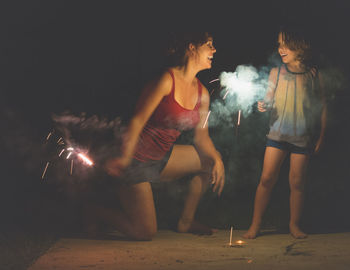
<point x="297" y="126"/>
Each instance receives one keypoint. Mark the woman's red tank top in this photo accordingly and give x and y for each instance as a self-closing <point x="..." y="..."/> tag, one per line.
<point x="165" y="125"/>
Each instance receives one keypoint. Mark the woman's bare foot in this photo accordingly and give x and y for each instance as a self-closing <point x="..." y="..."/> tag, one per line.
<point x="194" y="227"/>
<point x="252" y="232"/>
<point x="296" y="232"/>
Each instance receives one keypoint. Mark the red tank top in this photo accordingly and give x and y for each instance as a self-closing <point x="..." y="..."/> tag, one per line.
<point x="165" y="125"/>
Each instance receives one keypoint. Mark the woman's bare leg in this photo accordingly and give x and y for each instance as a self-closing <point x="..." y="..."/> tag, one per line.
<point x="297" y="172"/>
<point x="273" y="160"/>
<point x="185" y="160"/>
<point x="137" y="216"/>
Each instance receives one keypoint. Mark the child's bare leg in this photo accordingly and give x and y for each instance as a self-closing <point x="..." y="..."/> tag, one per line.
<point x="298" y="165"/>
<point x="272" y="163"/>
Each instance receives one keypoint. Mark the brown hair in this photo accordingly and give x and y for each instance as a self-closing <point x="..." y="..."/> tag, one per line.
<point x="295" y="38"/>
<point x="178" y="43"/>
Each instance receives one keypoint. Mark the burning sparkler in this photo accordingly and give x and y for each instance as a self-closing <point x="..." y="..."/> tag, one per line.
<point x="72" y="154"/>
<point x="231" y="236"/>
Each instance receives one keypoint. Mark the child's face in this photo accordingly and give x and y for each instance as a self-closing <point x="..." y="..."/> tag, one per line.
<point x="288" y="56"/>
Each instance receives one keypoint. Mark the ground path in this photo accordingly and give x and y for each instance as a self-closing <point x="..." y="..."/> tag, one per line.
<point x="171" y="250"/>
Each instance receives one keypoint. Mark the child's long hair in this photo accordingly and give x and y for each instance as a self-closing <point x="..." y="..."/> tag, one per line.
<point x="297" y="39"/>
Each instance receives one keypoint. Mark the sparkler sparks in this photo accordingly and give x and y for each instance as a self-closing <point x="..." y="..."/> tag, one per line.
<point x="69" y="154"/>
<point x="71" y="166"/>
<point x="85" y="159"/>
<point x="48" y="136"/>
<point x="214" y="80"/>
<point x="61" y="152"/>
<point x="239" y="118"/>
<point x="74" y="154"/>
<point x="43" y="175"/>
<point x="206" y="119"/>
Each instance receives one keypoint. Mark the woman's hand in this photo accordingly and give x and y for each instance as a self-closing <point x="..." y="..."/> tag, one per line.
<point x="218" y="176"/>
<point x="116" y="167"/>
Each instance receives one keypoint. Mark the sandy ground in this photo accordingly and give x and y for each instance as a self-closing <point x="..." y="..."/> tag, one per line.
<point x="171" y="250"/>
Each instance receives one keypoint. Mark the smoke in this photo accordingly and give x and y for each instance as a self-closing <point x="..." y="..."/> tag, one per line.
<point x="72" y="141"/>
<point x="239" y="91"/>
<point x="36" y="157"/>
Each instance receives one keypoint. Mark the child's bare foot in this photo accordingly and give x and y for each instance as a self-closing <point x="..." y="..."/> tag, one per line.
<point x="252" y="233"/>
<point x="194" y="227"/>
<point x="296" y="232"/>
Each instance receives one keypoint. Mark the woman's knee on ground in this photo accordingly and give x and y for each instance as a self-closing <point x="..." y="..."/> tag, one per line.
<point x="144" y="232"/>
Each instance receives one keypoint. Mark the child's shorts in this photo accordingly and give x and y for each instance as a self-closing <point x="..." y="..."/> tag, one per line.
<point x="289" y="147"/>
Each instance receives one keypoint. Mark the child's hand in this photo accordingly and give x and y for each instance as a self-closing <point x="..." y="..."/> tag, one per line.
<point x="262" y="106"/>
<point x="318" y="146"/>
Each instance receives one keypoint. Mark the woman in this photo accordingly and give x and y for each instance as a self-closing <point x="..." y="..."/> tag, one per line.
<point x="174" y="102"/>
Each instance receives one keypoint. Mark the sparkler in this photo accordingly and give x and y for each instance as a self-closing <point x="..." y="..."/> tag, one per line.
<point x="73" y="153"/>
<point x="232" y="87"/>
<point x="74" y="149"/>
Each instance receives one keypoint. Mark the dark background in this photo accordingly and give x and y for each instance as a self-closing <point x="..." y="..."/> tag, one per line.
<point x="94" y="57"/>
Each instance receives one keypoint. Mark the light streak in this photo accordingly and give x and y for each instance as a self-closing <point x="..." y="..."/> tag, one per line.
<point x="225" y="94"/>
<point x="69" y="154"/>
<point x="214" y="80"/>
<point x="48" y="136"/>
<point x="61" y="152"/>
<point x="239" y="118"/>
<point x="58" y="141"/>
<point x="47" y="164"/>
<point x="71" y="166"/>
<point x="85" y="159"/>
<point x="231" y="235"/>
<point x="206" y="119"/>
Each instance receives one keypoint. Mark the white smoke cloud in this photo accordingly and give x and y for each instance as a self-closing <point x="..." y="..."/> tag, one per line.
<point x="240" y="90"/>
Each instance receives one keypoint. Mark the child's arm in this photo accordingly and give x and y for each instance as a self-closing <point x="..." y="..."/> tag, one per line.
<point x="264" y="105"/>
<point x="320" y="140"/>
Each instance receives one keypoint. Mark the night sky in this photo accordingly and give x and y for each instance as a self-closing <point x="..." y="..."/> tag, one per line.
<point x="94" y="56"/>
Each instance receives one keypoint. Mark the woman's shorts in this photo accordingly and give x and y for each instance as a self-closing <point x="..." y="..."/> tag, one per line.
<point x="285" y="146"/>
<point x="149" y="171"/>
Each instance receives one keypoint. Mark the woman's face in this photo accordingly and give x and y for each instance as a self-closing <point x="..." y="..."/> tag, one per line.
<point x="205" y="54"/>
<point x="288" y="56"/>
